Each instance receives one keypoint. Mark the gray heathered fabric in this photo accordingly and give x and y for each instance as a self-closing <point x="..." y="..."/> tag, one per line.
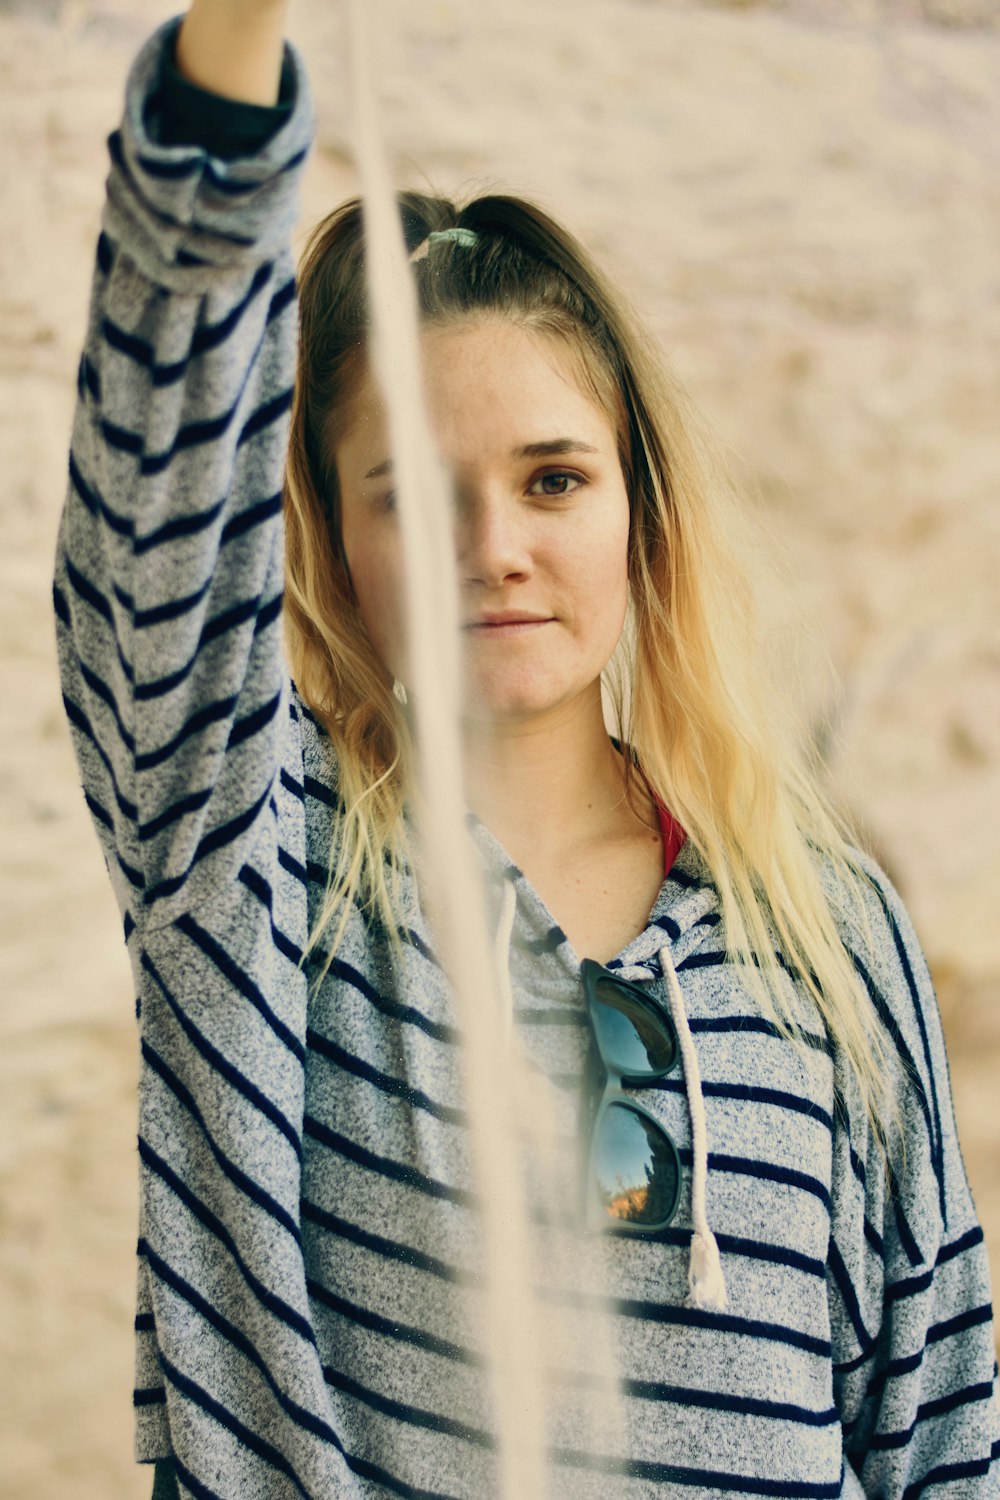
<point x="308" y="1248"/>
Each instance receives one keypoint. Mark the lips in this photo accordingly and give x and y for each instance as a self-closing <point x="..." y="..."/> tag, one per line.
<point x="505" y="623"/>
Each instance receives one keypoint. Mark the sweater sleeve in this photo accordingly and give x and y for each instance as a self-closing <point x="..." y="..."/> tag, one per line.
<point x="908" y="1278"/>
<point x="169" y="565"/>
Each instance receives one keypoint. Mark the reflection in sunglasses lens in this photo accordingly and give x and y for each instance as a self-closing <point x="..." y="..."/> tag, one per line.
<point x="635" y="1166"/>
<point x="632" y="1039"/>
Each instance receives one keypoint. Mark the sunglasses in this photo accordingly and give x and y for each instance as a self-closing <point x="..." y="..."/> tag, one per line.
<point x="633" y="1172"/>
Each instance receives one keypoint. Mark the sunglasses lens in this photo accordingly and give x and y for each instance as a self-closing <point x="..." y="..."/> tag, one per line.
<point x="634" y="1036"/>
<point x="637" y="1170"/>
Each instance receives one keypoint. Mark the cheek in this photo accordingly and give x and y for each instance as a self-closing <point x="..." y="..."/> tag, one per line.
<point x="376" y="571"/>
<point x="600" y="567"/>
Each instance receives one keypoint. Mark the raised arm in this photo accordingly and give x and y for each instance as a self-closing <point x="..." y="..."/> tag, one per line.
<point x="169" y="570"/>
<point x="234" y="48"/>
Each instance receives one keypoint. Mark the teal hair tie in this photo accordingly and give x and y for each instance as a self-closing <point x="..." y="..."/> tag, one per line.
<point x="456" y="236"/>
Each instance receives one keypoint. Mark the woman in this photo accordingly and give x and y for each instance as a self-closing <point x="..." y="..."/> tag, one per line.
<point x="308" y="1276"/>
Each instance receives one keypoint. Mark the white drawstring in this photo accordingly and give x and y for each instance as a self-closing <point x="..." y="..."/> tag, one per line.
<point x="705" y="1278"/>
<point x="501" y="954"/>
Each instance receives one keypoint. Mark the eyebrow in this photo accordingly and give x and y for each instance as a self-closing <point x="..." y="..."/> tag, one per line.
<point x="552" y="447"/>
<point x="549" y="448"/>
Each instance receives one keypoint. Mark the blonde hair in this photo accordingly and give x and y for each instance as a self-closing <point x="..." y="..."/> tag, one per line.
<point x="688" y="682"/>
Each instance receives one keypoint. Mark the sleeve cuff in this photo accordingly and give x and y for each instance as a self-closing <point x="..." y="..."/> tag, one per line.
<point x="180" y="113"/>
<point x="186" y="211"/>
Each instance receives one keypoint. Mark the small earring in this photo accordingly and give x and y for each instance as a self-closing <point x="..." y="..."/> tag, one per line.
<point x="398" y="691"/>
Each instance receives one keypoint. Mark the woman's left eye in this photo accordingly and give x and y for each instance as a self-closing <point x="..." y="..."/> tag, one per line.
<point x="559" y="482"/>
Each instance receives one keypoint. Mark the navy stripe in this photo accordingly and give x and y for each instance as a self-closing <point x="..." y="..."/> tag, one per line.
<point x="752" y="1094"/>
<point x="702" y="1479"/>
<point x="368" y="1470"/>
<point x="89" y="592"/>
<point x="132" y="873"/>
<point x="216" y="838"/>
<point x="930" y="1409"/>
<point x="691" y="1317"/>
<point x="289" y="863"/>
<point x="193" y="1483"/>
<point x="944" y="1473"/>
<point x="241" y="982"/>
<point x="182" y="1288"/>
<point x="320" y="792"/>
<point x="87" y="380"/>
<point x="155" y="168"/>
<point x="105" y="254"/>
<point x="199" y="1397"/>
<point x="153" y="1395"/>
<point x="144" y="1323"/>
<point x="385" y="1167"/>
<point x="237" y="614"/>
<point x="912" y="1286"/>
<point x="197" y="434"/>
<point x="93" y="501"/>
<point x="291" y="785"/>
<point x="973" y="1317"/>
<point x="393" y="1087"/>
<point x="913" y="1252"/>
<point x="908" y="1363"/>
<point x="179" y="526"/>
<point x="937" y="1137"/>
<point x="234" y="187"/>
<point x="253" y="723"/>
<point x="211" y="713"/>
<point x="222" y="1065"/>
<point x="553" y="940"/>
<point x="874" y="1239"/>
<point x="277" y="1306"/>
<point x="80" y="721"/>
<point x="412" y="1416"/>
<point x="101" y="690"/>
<point x="402" y="1333"/>
<point x="205" y="338"/>
<point x="236" y="1175"/>
<point x="967" y="1241"/>
<point x="748" y="1166"/>
<point x="61" y="605"/>
<point x="909" y="1066"/>
<point x="725" y="1025"/>
<point x="387" y="1249"/>
<point x="748" y="1406"/>
<point x="779" y="1255"/>
<point x="194" y="802"/>
<point x="99" y="812"/>
<point x="388" y="1007"/>
<point x="849" y="1300"/>
<point x="265" y="415"/>
<point x="172" y="609"/>
<point x="250" y="517"/>
<point x="258" y="886"/>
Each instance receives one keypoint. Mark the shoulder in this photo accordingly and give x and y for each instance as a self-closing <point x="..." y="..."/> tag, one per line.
<point x="879" y="938"/>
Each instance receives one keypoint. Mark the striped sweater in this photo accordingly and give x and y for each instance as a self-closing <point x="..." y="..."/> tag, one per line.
<point x="308" y="1260"/>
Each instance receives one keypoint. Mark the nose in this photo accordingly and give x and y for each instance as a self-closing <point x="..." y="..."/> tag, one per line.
<point x="491" y="539"/>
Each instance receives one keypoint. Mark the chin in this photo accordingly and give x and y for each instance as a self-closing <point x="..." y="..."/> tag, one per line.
<point x="510" y="702"/>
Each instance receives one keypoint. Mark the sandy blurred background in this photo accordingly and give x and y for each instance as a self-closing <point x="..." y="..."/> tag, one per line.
<point x="804" y="200"/>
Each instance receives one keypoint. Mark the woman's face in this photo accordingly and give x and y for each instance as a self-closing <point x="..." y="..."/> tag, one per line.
<point x="541" y="518"/>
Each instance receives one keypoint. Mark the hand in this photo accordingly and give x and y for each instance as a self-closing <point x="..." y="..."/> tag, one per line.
<point x="234" y="48"/>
